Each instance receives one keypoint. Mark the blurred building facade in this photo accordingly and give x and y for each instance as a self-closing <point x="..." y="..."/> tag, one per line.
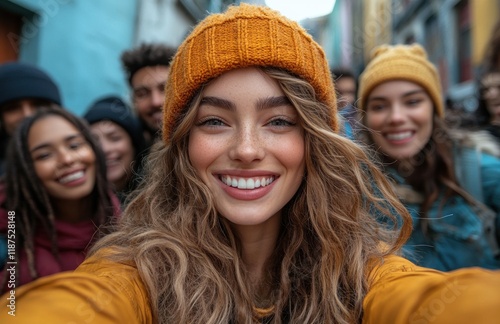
<point x="79" y="42"/>
<point x="454" y="33"/>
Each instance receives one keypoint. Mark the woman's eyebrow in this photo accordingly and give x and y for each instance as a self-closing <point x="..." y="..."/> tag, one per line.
<point x="272" y="102"/>
<point x="263" y="103"/>
<point x="379" y="98"/>
<point x="406" y="94"/>
<point x="218" y="102"/>
<point x="410" y="93"/>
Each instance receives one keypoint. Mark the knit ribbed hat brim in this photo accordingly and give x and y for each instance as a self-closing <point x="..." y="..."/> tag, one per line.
<point x="244" y="36"/>
<point x="401" y="62"/>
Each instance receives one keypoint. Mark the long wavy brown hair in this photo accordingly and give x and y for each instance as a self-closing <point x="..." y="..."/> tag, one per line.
<point x="342" y="221"/>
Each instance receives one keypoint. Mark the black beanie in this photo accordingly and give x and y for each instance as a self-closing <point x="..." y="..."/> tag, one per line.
<point x="114" y="109"/>
<point x="22" y="81"/>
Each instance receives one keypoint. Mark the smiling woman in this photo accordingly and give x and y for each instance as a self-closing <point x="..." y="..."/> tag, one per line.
<point x="440" y="178"/>
<point x="119" y="134"/>
<point x="56" y="186"/>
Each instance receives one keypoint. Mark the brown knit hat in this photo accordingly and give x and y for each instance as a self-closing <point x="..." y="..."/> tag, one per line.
<point x="244" y="36"/>
<point x="401" y="62"/>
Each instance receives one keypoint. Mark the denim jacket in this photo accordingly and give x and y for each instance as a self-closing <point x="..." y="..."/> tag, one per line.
<point x="455" y="235"/>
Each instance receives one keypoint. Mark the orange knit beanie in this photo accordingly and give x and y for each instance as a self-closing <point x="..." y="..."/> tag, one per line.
<point x="244" y="36"/>
<point x="401" y="62"/>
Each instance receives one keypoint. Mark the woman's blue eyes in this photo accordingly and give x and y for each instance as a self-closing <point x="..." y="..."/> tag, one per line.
<point x="214" y="122"/>
<point x="280" y="122"/>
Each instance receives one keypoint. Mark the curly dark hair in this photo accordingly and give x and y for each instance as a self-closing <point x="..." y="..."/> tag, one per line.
<point x="146" y="55"/>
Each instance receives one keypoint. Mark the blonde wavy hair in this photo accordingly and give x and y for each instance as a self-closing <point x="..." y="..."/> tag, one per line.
<point x="331" y="235"/>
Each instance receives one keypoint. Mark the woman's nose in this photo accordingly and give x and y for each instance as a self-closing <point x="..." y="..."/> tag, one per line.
<point x="248" y="145"/>
<point x="396" y="114"/>
<point x="106" y="147"/>
<point x="66" y="157"/>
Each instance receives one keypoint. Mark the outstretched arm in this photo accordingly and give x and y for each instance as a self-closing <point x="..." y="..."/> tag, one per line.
<point x="404" y="293"/>
<point x="99" y="291"/>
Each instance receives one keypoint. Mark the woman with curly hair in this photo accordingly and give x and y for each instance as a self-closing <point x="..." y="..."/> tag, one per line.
<point x="254" y="209"/>
<point x="54" y="198"/>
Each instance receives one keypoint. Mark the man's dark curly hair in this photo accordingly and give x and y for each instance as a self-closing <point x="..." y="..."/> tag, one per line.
<point x="146" y="55"/>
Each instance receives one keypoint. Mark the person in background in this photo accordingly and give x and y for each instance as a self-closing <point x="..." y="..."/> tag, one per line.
<point x="254" y="208"/>
<point x="24" y="88"/>
<point x="347" y="86"/>
<point x="119" y="133"/>
<point x="56" y="195"/>
<point x="450" y="186"/>
<point x="147" y="68"/>
<point x="488" y="111"/>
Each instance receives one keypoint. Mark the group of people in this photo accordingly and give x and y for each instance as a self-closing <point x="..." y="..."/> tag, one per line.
<point x="65" y="176"/>
<point x="254" y="206"/>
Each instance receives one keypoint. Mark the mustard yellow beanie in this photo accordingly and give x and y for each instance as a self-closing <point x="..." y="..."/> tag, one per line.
<point x="244" y="36"/>
<point x="401" y="62"/>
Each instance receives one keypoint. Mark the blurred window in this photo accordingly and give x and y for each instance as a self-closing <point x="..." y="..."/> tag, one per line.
<point x="10" y="33"/>
<point x="463" y="47"/>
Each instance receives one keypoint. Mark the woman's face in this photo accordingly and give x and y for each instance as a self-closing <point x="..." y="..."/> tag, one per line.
<point x="63" y="160"/>
<point x="118" y="149"/>
<point x="247" y="146"/>
<point x="399" y="115"/>
<point x="491" y="95"/>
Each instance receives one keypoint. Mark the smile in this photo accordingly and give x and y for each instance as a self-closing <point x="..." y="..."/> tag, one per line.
<point x="71" y="177"/>
<point x="398" y="136"/>
<point x="112" y="162"/>
<point x="247" y="183"/>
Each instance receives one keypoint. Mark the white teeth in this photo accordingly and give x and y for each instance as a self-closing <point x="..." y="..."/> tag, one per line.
<point x="399" y="136"/>
<point x="71" y="177"/>
<point x="250" y="184"/>
<point x="244" y="183"/>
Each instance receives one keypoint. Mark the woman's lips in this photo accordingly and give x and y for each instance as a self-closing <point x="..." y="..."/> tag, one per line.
<point x="247" y="188"/>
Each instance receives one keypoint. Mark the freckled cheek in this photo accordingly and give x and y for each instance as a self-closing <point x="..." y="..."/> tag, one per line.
<point x="290" y="151"/>
<point x="202" y="153"/>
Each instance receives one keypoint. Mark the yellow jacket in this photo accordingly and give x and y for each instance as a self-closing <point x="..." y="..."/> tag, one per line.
<point x="101" y="291"/>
